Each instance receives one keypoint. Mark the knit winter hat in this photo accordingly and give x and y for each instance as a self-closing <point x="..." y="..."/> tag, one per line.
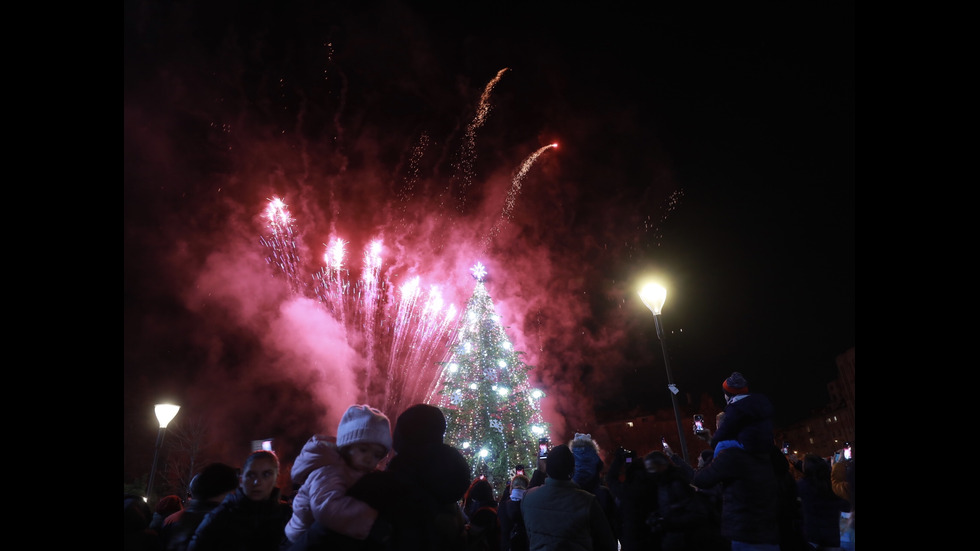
<point x="736" y="384"/>
<point x="364" y="424"/>
<point x="213" y="480"/>
<point x="560" y="463"/>
<point x="420" y="427"/>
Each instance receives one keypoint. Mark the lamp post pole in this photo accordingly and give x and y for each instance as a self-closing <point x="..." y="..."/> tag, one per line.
<point x="653" y="297"/>
<point x="165" y="413"/>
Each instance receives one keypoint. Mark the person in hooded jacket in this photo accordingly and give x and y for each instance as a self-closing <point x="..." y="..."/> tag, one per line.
<point x="588" y="473"/>
<point x="327" y="470"/>
<point x="418" y="493"/>
<point x="208" y="489"/>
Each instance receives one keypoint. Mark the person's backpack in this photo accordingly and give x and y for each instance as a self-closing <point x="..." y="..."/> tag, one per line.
<point x="518" y="533"/>
<point x="484" y="530"/>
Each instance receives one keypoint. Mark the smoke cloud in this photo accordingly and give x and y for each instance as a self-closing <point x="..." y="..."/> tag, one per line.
<point x="372" y="122"/>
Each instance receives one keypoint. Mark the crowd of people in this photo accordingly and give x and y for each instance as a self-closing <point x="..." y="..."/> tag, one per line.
<point x="744" y="495"/>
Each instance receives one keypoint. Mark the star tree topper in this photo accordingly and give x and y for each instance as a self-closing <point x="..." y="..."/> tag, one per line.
<point x="479" y="272"/>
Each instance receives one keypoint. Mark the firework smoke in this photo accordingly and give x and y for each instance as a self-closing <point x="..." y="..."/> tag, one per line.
<point x="352" y="291"/>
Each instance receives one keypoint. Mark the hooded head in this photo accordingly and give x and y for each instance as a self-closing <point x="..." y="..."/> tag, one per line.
<point x="561" y="463"/>
<point x="420" y="427"/>
<point x="214" y="480"/>
<point x="587" y="461"/>
<point x="364" y="424"/>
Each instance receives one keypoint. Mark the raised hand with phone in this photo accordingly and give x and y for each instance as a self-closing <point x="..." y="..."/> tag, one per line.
<point x="699" y="430"/>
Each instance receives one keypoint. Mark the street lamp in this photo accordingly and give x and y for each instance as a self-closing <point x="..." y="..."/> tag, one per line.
<point x="165" y="414"/>
<point x="653" y="296"/>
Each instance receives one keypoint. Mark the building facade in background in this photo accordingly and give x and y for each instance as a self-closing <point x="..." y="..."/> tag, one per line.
<point x="823" y="432"/>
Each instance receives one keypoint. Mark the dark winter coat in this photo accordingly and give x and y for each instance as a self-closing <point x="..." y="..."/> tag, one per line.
<point x="678" y="516"/>
<point x="416" y="498"/>
<point x="560" y="515"/>
<point x="636" y="497"/>
<point x="748" y="419"/>
<point x="430" y="518"/>
<point x="179" y="527"/>
<point x="483" y="532"/>
<point x="750" y="494"/>
<point x="821" y="512"/>
<point x="513" y="535"/>
<point x="241" y="524"/>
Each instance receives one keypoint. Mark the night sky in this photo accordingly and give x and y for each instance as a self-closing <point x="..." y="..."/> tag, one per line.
<point x="713" y="149"/>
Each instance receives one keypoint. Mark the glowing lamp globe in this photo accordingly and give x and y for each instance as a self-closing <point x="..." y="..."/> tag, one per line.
<point x="653" y="296"/>
<point x="165" y="413"/>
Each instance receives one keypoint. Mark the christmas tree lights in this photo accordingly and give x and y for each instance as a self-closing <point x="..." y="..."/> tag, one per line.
<point x="493" y="415"/>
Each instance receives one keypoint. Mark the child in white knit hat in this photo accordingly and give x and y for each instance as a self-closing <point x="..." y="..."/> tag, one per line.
<point x="327" y="469"/>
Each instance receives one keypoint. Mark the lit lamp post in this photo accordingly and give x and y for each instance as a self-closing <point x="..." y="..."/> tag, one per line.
<point x="653" y="296"/>
<point x="165" y="414"/>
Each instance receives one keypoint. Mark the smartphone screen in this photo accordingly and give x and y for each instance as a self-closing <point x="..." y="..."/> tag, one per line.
<point x="785" y="448"/>
<point x="847" y="453"/>
<point x="664" y="442"/>
<point x="543" y="451"/>
<point x="698" y="424"/>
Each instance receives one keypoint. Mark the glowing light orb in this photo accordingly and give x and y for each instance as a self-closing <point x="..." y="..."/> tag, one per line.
<point x="479" y="271"/>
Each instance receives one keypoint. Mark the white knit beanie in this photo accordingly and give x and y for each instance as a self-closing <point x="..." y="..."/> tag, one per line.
<point x="364" y="424"/>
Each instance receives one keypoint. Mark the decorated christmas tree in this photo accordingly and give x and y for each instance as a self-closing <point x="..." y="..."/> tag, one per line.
<point x="493" y="415"/>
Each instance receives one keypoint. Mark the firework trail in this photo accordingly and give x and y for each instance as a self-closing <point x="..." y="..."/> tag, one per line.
<point x="282" y="244"/>
<point x="515" y="190"/>
<point x="468" y="149"/>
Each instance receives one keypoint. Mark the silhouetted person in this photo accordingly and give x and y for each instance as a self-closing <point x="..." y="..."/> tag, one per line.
<point x="208" y="489"/>
<point x="560" y="515"/>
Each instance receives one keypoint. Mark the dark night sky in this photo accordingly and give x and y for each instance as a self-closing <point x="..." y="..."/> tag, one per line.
<point x="714" y="148"/>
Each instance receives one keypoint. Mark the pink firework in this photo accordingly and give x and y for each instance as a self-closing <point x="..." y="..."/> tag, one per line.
<point x="282" y="244"/>
<point x="400" y="333"/>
